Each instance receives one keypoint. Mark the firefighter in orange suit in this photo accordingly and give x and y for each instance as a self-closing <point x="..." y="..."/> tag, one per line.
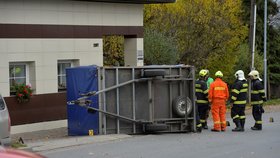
<point x="218" y="95"/>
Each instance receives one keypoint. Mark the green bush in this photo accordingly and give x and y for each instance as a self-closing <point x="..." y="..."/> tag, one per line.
<point x="159" y="49"/>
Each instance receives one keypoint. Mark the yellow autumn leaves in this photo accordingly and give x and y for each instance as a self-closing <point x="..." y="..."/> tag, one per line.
<point x="208" y="33"/>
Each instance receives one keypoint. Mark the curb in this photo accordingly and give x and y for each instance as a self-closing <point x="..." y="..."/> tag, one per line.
<point x="70" y="141"/>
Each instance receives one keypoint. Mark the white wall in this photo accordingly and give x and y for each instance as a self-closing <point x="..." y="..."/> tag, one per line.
<point x="67" y="12"/>
<point x="44" y="53"/>
<point x="132" y="46"/>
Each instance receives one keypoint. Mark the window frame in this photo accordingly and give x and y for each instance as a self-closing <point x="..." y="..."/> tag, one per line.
<point x="26" y="73"/>
<point x="60" y="88"/>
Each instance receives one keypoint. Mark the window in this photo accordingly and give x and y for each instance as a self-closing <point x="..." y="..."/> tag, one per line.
<point x="18" y="75"/>
<point x="2" y="103"/>
<point x="61" y="76"/>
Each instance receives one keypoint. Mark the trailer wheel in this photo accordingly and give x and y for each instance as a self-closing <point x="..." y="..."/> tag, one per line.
<point x="180" y="104"/>
<point x="152" y="128"/>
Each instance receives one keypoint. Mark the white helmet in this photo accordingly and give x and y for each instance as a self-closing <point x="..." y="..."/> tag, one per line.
<point x="255" y="74"/>
<point x="207" y="72"/>
<point x="239" y="75"/>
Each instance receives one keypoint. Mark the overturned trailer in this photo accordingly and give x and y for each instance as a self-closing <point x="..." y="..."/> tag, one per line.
<point x="135" y="99"/>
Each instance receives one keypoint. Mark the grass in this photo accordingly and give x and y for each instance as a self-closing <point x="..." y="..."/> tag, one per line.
<point x="17" y="145"/>
<point x="272" y="102"/>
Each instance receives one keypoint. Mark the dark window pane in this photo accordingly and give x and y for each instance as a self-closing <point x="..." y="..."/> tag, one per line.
<point x="20" y="80"/>
<point x="2" y="104"/>
<point x="12" y="82"/>
<point x="59" y="68"/>
<point x="63" y="80"/>
<point x="64" y="66"/>
<point x="12" y="71"/>
<point x="59" y="80"/>
<point x="20" y="71"/>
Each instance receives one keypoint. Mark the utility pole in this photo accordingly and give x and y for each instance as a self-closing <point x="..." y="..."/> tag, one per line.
<point x="264" y="48"/>
<point x="254" y="35"/>
<point x="251" y="26"/>
<point x="253" y="16"/>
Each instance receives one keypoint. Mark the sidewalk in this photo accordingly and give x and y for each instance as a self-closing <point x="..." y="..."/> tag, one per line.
<point x="41" y="135"/>
<point x="57" y="138"/>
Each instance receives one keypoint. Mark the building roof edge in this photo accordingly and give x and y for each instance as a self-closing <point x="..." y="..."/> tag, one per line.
<point x="133" y="1"/>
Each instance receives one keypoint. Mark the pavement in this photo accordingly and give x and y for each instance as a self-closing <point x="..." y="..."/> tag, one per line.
<point x="247" y="144"/>
<point x="46" y="140"/>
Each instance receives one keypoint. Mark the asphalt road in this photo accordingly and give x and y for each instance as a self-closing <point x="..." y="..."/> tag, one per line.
<point x="248" y="144"/>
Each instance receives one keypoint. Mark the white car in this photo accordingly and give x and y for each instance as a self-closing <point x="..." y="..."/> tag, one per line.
<point x="5" y="123"/>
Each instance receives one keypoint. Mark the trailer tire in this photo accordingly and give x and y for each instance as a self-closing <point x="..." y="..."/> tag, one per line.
<point x="180" y="104"/>
<point x="152" y="128"/>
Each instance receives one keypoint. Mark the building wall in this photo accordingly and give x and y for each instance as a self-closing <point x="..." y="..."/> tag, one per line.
<point x="130" y="47"/>
<point x="41" y="108"/>
<point x="45" y="53"/>
<point x="66" y="12"/>
<point x="42" y="49"/>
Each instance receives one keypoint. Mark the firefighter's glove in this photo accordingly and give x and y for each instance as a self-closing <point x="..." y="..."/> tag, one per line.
<point x="228" y="103"/>
<point x="260" y="108"/>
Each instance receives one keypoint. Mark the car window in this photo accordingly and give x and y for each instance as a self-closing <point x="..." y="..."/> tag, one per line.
<point x="2" y="104"/>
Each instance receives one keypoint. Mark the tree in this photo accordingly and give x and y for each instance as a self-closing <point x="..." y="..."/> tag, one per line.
<point x="206" y="32"/>
<point x="113" y="50"/>
<point x="159" y="49"/>
<point x="244" y="62"/>
<point x="274" y="56"/>
<point x="273" y="36"/>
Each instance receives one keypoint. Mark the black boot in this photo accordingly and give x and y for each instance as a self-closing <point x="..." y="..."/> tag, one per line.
<point x="205" y="126"/>
<point x="257" y="127"/>
<point x="238" y="126"/>
<point x="198" y="129"/>
<point x="242" y="122"/>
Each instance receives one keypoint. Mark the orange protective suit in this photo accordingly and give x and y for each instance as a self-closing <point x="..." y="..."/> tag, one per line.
<point x="218" y="95"/>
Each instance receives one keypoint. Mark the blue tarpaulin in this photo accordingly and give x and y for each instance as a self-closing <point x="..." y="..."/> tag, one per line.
<point x="79" y="80"/>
